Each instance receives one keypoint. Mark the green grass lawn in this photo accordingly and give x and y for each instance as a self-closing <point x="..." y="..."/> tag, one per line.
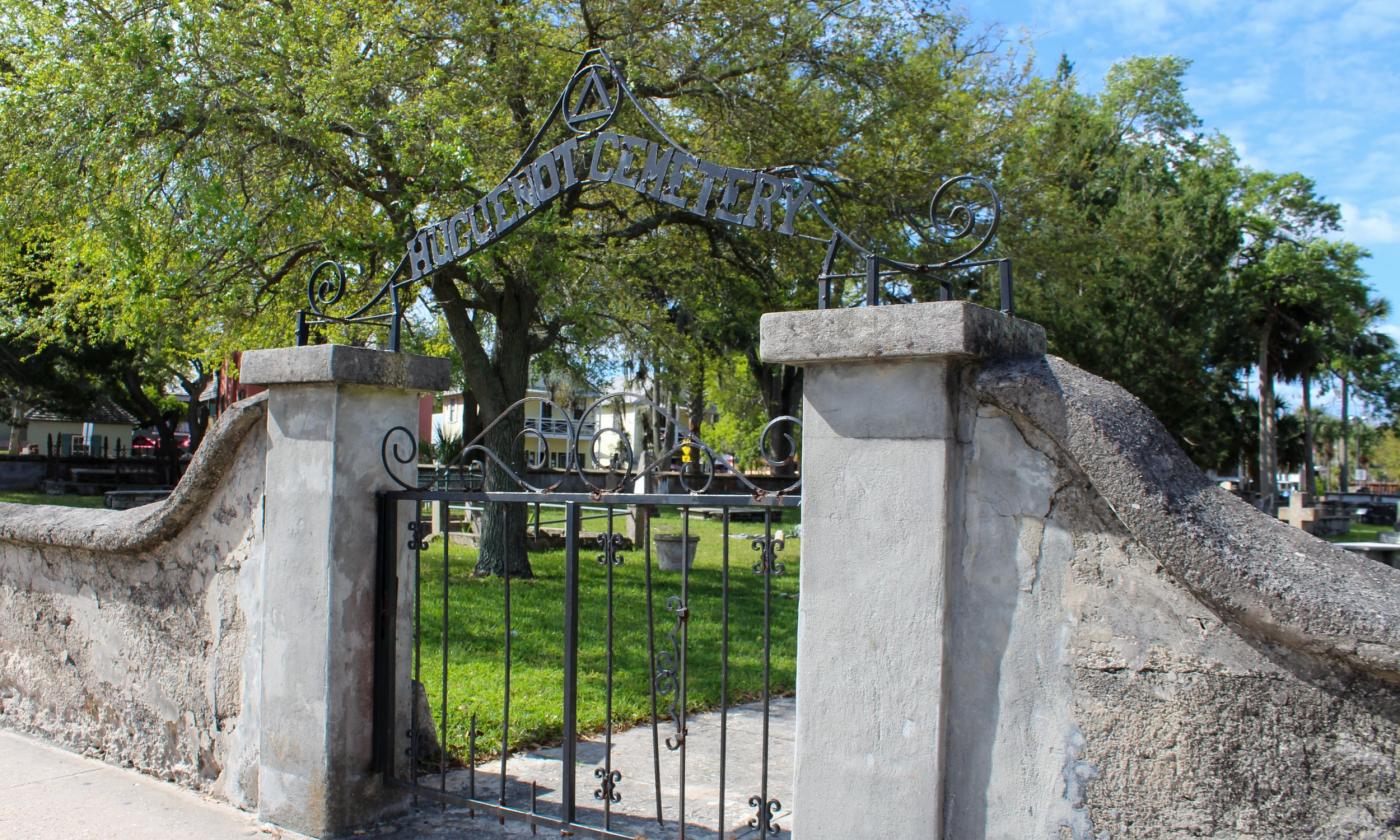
<point x="45" y="499"/>
<point x="475" y="643"/>
<point x="1361" y="533"/>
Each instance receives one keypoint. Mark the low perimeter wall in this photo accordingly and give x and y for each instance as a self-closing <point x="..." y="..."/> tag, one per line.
<point x="1138" y="653"/>
<point x="125" y="635"/>
<point x="224" y="638"/>
<point x="1024" y="614"/>
<point x="1052" y="625"/>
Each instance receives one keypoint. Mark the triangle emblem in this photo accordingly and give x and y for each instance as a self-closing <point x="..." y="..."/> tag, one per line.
<point x="594" y="96"/>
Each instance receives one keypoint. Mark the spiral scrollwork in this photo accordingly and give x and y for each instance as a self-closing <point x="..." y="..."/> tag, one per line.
<point x="763" y="816"/>
<point x="779" y="445"/>
<point x="418" y="531"/>
<point x="612" y="545"/>
<point x="667" y="680"/>
<point x="607" y="785"/>
<point x="768" y="548"/>
<point x="389" y="447"/>
<point x="620" y="458"/>
<point x="696" y="470"/>
<point x="323" y="291"/>
<point x="962" y="219"/>
<point x="610" y="450"/>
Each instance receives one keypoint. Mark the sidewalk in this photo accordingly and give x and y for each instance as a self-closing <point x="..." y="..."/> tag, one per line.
<point x="47" y="793"/>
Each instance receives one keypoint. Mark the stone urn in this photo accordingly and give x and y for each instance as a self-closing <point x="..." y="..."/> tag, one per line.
<point x="672" y="550"/>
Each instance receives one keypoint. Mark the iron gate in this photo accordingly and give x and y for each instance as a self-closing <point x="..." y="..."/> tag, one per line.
<point x="405" y="754"/>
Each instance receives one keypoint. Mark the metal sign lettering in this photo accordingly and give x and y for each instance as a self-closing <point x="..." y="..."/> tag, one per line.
<point x="663" y="170"/>
<point x="664" y="173"/>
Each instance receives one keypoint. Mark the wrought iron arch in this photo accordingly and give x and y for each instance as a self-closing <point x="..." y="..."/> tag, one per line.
<point x="665" y="171"/>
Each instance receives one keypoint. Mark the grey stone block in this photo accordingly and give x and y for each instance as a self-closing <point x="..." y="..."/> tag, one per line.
<point x="952" y="329"/>
<point x="342" y="364"/>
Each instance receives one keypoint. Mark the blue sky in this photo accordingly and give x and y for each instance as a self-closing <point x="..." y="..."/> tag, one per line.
<point x="1311" y="87"/>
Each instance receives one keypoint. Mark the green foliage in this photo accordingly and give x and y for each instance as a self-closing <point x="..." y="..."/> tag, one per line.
<point x="741" y="413"/>
<point x="185" y="165"/>
<point x="1122" y="229"/>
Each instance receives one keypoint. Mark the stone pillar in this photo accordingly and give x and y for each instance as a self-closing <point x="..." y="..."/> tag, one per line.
<point x="328" y="410"/>
<point x="881" y="484"/>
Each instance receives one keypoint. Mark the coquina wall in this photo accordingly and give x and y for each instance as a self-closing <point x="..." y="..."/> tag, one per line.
<point x="1137" y="653"/>
<point x="1026" y="615"/>
<point x="127" y="634"/>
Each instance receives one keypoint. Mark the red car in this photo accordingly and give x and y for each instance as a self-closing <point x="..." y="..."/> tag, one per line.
<point x="144" y="445"/>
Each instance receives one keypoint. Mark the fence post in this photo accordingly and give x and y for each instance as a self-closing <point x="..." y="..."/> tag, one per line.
<point x="569" y="771"/>
<point x="329" y="408"/>
<point x="881" y="457"/>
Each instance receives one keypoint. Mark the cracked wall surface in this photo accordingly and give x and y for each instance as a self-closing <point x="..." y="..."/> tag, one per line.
<point x="126" y="635"/>
<point x="1101" y="686"/>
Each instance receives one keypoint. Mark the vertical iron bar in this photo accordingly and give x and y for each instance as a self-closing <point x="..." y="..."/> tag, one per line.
<point x="768" y="568"/>
<point x="608" y="553"/>
<point x="303" y="332"/>
<point x="417" y="658"/>
<point x="723" y="670"/>
<point x="471" y="764"/>
<point x="505" y="716"/>
<point x="442" y="723"/>
<point x="396" y="318"/>
<point x="1008" y="306"/>
<point x="872" y="280"/>
<point x="651" y="670"/>
<point x="386" y="613"/>
<point x="570" y="755"/>
<point x="685" y="635"/>
<point x="824" y="282"/>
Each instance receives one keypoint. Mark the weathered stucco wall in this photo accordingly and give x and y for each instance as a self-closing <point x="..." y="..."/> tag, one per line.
<point x="126" y="634"/>
<point x="1106" y="645"/>
<point x="1135" y="653"/>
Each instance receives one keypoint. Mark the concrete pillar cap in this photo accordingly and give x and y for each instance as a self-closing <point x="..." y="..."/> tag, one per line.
<point x="343" y="364"/>
<point x="951" y="329"/>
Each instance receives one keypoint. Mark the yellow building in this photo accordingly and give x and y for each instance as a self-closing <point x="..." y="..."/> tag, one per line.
<point x="597" y="445"/>
<point x="548" y="444"/>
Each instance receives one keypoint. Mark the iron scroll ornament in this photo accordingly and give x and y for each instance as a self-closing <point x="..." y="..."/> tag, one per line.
<point x="774" y="199"/>
<point x="621" y="465"/>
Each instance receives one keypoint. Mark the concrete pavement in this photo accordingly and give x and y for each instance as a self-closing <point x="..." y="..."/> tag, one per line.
<point x="47" y="793"/>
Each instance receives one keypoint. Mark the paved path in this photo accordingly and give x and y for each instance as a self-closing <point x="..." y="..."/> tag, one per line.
<point x="49" y="794"/>
<point x="632" y="756"/>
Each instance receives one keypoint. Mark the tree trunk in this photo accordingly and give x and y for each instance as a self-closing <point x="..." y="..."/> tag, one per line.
<point x="1268" y="474"/>
<point x="502" y="547"/>
<point x="1309" y="470"/>
<point x="19" y="426"/>
<point x="697" y="397"/>
<point x="496" y="379"/>
<point x="1344" y="482"/>
<point x="196" y="412"/>
<point x="472" y="420"/>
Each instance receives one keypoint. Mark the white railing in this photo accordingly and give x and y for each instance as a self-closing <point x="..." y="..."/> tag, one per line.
<point x="560" y="427"/>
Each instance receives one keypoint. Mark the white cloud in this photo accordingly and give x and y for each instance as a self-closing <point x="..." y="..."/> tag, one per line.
<point x="1244" y="91"/>
<point x="1369" y="20"/>
<point x="1376" y="227"/>
<point x="1391" y="330"/>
